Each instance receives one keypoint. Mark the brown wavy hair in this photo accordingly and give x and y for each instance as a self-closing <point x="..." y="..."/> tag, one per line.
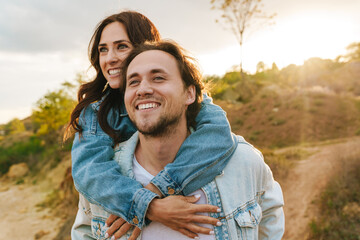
<point x="139" y="29"/>
<point x="188" y="68"/>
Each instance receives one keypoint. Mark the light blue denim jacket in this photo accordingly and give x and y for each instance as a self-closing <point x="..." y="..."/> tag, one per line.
<point x="97" y="177"/>
<point x="250" y="200"/>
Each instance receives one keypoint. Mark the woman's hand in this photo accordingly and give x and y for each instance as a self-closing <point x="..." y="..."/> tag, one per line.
<point x="119" y="227"/>
<point x="179" y="214"/>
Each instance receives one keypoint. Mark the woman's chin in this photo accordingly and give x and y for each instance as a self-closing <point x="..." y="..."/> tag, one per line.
<point x="114" y="85"/>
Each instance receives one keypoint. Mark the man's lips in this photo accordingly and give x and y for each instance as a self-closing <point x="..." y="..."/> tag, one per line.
<point x="148" y="105"/>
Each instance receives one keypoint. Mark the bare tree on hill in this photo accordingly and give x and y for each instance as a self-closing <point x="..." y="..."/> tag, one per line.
<point x="239" y="16"/>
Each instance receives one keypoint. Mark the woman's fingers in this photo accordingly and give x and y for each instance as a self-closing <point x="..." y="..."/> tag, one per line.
<point x="204" y="208"/>
<point x="206" y="220"/>
<point x="135" y="234"/>
<point x="194" y="228"/>
<point x="111" y="219"/>
<point x="187" y="233"/>
<point x="122" y="230"/>
<point x="115" y="226"/>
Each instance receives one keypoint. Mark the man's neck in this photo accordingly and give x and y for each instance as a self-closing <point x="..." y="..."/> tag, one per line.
<point x="154" y="153"/>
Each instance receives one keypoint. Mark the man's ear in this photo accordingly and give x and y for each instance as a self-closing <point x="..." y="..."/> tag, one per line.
<point x="190" y="92"/>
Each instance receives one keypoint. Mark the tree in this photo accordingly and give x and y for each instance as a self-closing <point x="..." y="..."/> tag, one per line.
<point x="260" y="67"/>
<point x="239" y="16"/>
<point x="353" y="52"/>
<point x="52" y="111"/>
<point x="14" y="126"/>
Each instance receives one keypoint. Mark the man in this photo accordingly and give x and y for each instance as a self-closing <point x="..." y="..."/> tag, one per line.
<point x="163" y="92"/>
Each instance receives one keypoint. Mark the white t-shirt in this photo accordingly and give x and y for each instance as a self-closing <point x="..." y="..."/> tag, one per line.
<point x="156" y="230"/>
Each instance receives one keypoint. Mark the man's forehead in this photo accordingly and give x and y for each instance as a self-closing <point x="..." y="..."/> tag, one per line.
<point x="152" y="59"/>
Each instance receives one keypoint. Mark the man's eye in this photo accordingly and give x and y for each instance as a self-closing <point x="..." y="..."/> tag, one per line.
<point x="133" y="82"/>
<point x="159" y="78"/>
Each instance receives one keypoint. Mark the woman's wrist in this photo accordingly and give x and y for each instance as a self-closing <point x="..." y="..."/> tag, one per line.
<point x="154" y="189"/>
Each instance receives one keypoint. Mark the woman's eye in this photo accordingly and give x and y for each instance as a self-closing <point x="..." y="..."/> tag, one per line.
<point x="102" y="49"/>
<point x="122" y="46"/>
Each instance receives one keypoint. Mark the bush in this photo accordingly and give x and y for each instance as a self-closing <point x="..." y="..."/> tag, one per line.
<point x="19" y="152"/>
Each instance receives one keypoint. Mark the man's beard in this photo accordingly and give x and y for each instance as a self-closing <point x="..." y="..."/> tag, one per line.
<point x="164" y="126"/>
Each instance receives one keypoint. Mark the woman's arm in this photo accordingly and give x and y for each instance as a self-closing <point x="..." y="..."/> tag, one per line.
<point x="97" y="177"/>
<point x="200" y="159"/>
<point x="202" y="156"/>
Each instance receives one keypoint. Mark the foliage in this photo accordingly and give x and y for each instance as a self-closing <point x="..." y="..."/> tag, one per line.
<point x="353" y="52"/>
<point x="52" y="111"/>
<point x="22" y="151"/>
<point x="340" y="205"/>
<point x="239" y="16"/>
<point x="13" y="127"/>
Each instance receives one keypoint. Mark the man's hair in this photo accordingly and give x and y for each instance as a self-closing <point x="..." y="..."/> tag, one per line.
<point x="188" y="68"/>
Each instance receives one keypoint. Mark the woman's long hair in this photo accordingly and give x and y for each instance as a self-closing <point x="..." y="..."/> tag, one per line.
<point x="139" y="29"/>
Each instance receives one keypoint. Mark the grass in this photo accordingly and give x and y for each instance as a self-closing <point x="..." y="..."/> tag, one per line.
<point x="281" y="163"/>
<point x="339" y="206"/>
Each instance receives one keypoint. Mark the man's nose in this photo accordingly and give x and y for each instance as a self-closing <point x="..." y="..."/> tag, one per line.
<point x="145" y="88"/>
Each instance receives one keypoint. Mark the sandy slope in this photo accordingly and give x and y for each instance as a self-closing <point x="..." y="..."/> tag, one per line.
<point x="20" y="219"/>
<point x="307" y="180"/>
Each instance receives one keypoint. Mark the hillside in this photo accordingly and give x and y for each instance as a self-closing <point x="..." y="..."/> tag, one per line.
<point x="305" y="120"/>
<point x="277" y="118"/>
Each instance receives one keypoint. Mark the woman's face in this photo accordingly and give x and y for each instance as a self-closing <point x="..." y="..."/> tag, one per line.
<point x="114" y="47"/>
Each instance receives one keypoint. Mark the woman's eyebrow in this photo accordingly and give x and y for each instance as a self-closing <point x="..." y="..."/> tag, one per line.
<point x="115" y="42"/>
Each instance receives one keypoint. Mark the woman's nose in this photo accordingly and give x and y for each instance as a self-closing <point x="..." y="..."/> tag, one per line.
<point x="112" y="57"/>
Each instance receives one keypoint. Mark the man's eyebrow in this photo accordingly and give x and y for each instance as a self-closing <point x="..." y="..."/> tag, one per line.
<point x="132" y="75"/>
<point x="115" y="42"/>
<point x="157" y="70"/>
<point x="153" y="71"/>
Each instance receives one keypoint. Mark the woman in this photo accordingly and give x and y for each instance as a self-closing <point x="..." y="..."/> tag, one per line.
<point x="100" y="121"/>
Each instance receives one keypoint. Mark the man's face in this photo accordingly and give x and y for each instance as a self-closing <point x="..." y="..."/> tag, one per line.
<point x="155" y="96"/>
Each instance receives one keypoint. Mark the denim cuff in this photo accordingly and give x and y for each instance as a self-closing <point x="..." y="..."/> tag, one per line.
<point x="165" y="184"/>
<point x="139" y="206"/>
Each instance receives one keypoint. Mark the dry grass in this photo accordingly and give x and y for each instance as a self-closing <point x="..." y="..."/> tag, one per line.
<point x="339" y="203"/>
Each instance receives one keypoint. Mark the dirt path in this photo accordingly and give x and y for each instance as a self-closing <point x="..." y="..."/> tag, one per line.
<point x="19" y="216"/>
<point x="307" y="180"/>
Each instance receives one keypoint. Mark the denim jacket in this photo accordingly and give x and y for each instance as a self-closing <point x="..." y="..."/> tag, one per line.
<point x="251" y="202"/>
<point x="98" y="178"/>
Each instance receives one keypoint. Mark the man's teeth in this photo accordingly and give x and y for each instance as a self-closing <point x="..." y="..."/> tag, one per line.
<point x="147" y="106"/>
<point x="114" y="71"/>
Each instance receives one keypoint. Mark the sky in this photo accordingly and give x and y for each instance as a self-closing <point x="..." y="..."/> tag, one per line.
<point x="44" y="43"/>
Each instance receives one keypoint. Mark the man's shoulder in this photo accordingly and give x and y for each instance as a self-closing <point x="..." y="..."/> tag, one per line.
<point x="246" y="153"/>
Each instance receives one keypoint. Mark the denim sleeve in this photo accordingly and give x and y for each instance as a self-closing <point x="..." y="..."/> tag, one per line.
<point x="272" y="225"/>
<point x="202" y="156"/>
<point x="97" y="177"/>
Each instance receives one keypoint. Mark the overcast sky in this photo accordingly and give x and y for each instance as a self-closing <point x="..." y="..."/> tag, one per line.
<point x="44" y="43"/>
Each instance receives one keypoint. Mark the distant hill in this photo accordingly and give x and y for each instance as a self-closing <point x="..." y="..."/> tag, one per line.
<point x="277" y="117"/>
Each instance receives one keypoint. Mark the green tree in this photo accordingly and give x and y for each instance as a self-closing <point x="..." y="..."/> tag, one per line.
<point x="239" y="16"/>
<point x="52" y="111"/>
<point x="14" y="126"/>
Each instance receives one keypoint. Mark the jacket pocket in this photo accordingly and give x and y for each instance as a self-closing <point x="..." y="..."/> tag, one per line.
<point x="98" y="228"/>
<point x="248" y="222"/>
